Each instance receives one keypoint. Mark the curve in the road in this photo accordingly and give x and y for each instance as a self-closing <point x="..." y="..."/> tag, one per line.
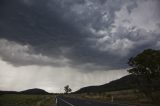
<point x="65" y="101"/>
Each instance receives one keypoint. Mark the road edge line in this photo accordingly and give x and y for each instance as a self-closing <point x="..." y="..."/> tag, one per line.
<point x="65" y="101"/>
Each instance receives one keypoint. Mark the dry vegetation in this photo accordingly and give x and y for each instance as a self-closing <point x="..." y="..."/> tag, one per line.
<point x="26" y="100"/>
<point x="123" y="96"/>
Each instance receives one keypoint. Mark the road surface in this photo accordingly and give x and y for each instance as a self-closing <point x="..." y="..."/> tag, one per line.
<point x="64" y="101"/>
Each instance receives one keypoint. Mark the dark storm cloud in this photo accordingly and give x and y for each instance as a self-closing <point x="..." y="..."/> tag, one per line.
<point x="35" y="24"/>
<point x="83" y="31"/>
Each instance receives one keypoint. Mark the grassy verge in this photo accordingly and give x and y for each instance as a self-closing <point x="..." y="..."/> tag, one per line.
<point x="26" y="100"/>
<point x="123" y="96"/>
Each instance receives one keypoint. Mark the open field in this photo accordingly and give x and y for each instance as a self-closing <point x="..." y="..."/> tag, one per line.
<point x="26" y="100"/>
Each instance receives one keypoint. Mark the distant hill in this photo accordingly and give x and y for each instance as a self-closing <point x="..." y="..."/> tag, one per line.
<point x="29" y="91"/>
<point x="34" y="91"/>
<point x="8" y="92"/>
<point x="126" y="82"/>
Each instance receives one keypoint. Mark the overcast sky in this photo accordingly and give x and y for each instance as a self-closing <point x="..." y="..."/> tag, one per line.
<point x="51" y="43"/>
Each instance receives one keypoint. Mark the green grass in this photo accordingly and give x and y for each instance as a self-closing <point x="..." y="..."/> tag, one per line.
<point x="26" y="100"/>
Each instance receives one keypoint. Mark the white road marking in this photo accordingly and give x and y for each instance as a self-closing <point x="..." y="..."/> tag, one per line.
<point x="56" y="100"/>
<point x="65" y="102"/>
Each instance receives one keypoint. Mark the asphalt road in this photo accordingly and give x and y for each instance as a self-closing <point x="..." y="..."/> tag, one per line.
<point x="63" y="101"/>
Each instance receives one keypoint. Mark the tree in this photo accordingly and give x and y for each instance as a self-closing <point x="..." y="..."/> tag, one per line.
<point x="146" y="66"/>
<point x="67" y="89"/>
